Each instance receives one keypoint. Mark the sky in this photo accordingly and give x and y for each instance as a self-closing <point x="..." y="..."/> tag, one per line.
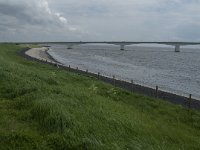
<point x="99" y="20"/>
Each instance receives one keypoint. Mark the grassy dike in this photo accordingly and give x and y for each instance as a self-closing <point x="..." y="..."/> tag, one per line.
<point x="42" y="107"/>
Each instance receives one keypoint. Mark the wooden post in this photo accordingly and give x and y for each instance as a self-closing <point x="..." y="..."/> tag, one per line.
<point x="190" y="100"/>
<point x="156" y="91"/>
<point x="57" y="66"/>
<point x="131" y="85"/>
<point x="114" y="80"/>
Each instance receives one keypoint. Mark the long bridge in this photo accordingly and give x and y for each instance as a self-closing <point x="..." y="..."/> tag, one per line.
<point x="122" y="44"/>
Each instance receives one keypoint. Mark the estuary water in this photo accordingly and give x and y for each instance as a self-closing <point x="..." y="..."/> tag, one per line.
<point x="150" y="66"/>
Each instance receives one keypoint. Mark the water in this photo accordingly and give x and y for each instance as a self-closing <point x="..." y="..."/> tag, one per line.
<point x="150" y="66"/>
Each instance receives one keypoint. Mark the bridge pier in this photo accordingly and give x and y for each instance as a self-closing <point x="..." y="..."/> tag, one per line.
<point x="177" y="48"/>
<point x="70" y="46"/>
<point x="122" y="47"/>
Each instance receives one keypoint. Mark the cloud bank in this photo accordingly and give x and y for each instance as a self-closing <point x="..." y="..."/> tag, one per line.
<point x="23" y="20"/>
<point x="74" y="20"/>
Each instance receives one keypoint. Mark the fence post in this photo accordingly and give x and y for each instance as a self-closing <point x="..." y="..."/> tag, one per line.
<point x="190" y="100"/>
<point x="114" y="80"/>
<point x="131" y="85"/>
<point x="57" y="66"/>
<point x="156" y="91"/>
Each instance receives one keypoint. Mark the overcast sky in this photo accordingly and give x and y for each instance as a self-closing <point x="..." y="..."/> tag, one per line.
<point x="99" y="20"/>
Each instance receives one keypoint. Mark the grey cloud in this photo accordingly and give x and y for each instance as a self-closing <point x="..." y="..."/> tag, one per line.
<point x="22" y="17"/>
<point x="100" y="19"/>
<point x="29" y="14"/>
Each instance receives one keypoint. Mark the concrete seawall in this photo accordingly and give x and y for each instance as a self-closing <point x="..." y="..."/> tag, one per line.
<point x="170" y="97"/>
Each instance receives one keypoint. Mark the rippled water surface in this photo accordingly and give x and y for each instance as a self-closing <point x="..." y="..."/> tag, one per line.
<point x="150" y="66"/>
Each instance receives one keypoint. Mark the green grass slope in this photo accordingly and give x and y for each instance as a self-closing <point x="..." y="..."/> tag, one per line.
<point x="42" y="107"/>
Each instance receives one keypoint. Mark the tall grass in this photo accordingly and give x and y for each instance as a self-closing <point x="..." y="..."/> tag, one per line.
<point x="42" y="107"/>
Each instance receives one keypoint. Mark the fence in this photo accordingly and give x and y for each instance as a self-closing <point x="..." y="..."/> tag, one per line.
<point x="187" y="102"/>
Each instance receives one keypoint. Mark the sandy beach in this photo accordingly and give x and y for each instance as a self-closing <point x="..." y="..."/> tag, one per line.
<point x="40" y="53"/>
